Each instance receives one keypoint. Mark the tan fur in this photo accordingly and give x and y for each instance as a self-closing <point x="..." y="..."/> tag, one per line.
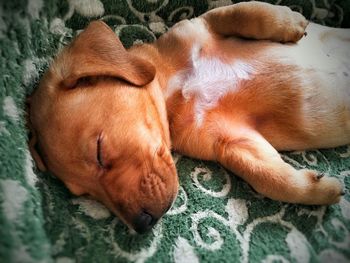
<point x="96" y="89"/>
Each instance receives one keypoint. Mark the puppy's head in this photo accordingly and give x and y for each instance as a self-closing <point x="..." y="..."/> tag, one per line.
<point x="99" y="124"/>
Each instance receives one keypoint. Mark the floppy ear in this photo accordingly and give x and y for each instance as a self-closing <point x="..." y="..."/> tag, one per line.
<point x="98" y="52"/>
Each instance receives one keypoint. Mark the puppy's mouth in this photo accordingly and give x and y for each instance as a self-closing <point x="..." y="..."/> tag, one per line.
<point x="142" y="215"/>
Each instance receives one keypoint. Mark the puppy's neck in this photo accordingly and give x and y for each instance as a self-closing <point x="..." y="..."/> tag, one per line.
<point x="158" y="89"/>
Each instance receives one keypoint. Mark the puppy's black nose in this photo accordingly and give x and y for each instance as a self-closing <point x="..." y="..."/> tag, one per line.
<point x="144" y="222"/>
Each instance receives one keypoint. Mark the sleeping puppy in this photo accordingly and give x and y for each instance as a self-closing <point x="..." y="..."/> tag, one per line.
<point x="104" y="119"/>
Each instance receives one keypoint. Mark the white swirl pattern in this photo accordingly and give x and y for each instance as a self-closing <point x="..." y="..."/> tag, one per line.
<point x="183" y="207"/>
<point x="137" y="256"/>
<point x="207" y="175"/>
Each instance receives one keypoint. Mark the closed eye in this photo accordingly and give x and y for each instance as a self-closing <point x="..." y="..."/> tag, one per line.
<point x="99" y="151"/>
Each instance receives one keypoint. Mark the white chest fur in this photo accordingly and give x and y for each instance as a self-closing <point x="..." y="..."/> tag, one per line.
<point x="207" y="80"/>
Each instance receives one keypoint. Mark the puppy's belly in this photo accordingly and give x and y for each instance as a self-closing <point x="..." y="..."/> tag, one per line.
<point x="324" y="61"/>
<point x="314" y="71"/>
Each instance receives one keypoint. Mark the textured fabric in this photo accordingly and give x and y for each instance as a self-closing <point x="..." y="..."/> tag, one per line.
<point x="216" y="218"/>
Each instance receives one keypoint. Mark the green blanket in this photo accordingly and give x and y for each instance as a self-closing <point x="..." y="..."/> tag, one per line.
<point x="216" y="218"/>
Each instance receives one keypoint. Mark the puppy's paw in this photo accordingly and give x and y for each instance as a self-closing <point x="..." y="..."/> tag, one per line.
<point x="323" y="190"/>
<point x="293" y="24"/>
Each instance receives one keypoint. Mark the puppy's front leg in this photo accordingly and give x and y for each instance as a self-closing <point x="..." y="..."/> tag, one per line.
<point x="258" y="163"/>
<point x="258" y="21"/>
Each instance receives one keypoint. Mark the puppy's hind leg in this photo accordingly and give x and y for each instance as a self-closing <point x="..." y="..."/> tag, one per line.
<point x="251" y="157"/>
